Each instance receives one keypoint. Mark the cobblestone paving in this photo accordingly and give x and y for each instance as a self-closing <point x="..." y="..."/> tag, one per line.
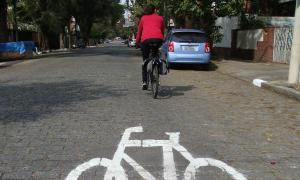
<point x="58" y="112"/>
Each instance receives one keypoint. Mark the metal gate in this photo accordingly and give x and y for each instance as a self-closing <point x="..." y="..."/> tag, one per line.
<point x="283" y="38"/>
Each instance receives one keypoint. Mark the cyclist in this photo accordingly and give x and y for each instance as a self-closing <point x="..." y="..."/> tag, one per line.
<point x="150" y="31"/>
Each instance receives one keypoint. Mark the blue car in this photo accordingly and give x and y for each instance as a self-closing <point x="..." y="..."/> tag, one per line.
<point x="186" y="46"/>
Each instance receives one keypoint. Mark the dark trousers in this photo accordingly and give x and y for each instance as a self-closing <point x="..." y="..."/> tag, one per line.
<point x="147" y="46"/>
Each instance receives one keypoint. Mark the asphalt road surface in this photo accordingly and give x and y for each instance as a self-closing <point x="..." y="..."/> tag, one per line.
<point x="57" y="113"/>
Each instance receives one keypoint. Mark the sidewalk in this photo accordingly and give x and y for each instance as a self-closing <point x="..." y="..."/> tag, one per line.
<point x="275" y="75"/>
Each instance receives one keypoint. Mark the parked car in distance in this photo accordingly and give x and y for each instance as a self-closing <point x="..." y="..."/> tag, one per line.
<point x="107" y="41"/>
<point x="131" y="43"/>
<point x="186" y="46"/>
<point x="125" y="41"/>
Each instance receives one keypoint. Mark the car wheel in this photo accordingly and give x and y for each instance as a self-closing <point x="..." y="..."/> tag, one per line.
<point x="169" y="65"/>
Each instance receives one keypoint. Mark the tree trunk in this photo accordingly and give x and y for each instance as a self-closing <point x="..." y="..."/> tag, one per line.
<point x="44" y="42"/>
<point x="3" y="21"/>
<point x="188" y="22"/>
<point x="86" y="27"/>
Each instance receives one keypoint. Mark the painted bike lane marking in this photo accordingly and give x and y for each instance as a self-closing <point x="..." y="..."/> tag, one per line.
<point x="117" y="172"/>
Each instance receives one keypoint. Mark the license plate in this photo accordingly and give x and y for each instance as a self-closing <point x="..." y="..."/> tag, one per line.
<point x="189" y="48"/>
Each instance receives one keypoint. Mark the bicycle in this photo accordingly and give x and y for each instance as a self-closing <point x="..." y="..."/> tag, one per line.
<point x="154" y="68"/>
<point x="117" y="172"/>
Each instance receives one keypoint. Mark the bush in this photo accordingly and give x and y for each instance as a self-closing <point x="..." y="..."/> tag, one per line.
<point x="251" y="22"/>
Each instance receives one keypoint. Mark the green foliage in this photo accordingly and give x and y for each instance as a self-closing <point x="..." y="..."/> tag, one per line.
<point x="229" y="8"/>
<point x="105" y="26"/>
<point x="251" y="22"/>
<point x="116" y="13"/>
<point x="124" y="32"/>
<point x="102" y="31"/>
<point x="52" y="16"/>
<point x="200" y="14"/>
<point x="47" y="15"/>
<point x="138" y="7"/>
<point x="203" y="14"/>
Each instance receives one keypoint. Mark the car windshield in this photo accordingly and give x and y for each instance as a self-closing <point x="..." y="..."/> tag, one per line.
<point x="190" y="37"/>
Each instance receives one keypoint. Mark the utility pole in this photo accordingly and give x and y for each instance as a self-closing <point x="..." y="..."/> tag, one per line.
<point x="294" y="71"/>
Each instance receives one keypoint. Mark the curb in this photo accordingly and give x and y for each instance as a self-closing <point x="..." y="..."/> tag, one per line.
<point x="49" y="54"/>
<point x="9" y="63"/>
<point x="283" y="89"/>
<point x="5" y="64"/>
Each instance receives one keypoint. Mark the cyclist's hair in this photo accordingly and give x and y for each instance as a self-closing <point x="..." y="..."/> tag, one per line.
<point x="149" y="9"/>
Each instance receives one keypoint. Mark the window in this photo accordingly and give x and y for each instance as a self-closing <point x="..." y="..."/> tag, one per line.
<point x="190" y="37"/>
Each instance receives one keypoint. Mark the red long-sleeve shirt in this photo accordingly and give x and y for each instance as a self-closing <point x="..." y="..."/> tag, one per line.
<point x="150" y="27"/>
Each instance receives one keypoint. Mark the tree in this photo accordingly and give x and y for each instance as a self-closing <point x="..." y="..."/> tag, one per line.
<point x="200" y="14"/>
<point x="94" y="11"/>
<point x="48" y="16"/>
<point x="52" y="16"/>
<point x="263" y="7"/>
<point x="3" y="21"/>
<point x="109" y="26"/>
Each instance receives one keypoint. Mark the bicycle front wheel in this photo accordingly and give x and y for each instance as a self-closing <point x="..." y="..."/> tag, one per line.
<point x="155" y="81"/>
<point x="117" y="174"/>
<point x="190" y="171"/>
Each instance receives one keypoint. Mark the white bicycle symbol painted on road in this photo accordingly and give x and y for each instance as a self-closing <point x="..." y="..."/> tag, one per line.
<point x="117" y="172"/>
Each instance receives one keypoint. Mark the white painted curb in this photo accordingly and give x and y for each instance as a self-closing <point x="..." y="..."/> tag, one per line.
<point x="258" y="82"/>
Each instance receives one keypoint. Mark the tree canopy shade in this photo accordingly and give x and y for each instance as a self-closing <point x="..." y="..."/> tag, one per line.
<point x="3" y="21"/>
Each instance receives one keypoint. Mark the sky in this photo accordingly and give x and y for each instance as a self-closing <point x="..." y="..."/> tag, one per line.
<point x="123" y="1"/>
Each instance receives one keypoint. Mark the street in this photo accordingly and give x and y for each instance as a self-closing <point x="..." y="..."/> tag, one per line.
<point x="61" y="111"/>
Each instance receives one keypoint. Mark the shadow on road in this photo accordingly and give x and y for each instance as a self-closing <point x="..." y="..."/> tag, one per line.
<point x="186" y="67"/>
<point x="28" y="102"/>
<point x="167" y="92"/>
<point x="4" y="66"/>
<point x="120" y="51"/>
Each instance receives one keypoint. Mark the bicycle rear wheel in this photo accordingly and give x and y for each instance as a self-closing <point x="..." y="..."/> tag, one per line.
<point x="154" y="81"/>
<point x="117" y="174"/>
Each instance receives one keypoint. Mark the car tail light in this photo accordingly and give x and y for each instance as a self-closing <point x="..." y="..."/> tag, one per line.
<point x="171" y="47"/>
<point x="207" y="47"/>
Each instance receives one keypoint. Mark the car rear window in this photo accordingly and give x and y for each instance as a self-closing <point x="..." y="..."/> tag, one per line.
<point x="191" y="37"/>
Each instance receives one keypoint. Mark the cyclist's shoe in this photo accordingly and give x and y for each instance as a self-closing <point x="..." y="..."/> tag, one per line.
<point x="144" y="86"/>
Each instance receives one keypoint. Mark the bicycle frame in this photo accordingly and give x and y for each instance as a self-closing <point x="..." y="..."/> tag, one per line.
<point x="167" y="146"/>
<point x="120" y="154"/>
<point x="154" y="60"/>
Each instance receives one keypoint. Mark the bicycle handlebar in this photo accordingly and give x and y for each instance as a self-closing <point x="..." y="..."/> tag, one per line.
<point x="137" y="129"/>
